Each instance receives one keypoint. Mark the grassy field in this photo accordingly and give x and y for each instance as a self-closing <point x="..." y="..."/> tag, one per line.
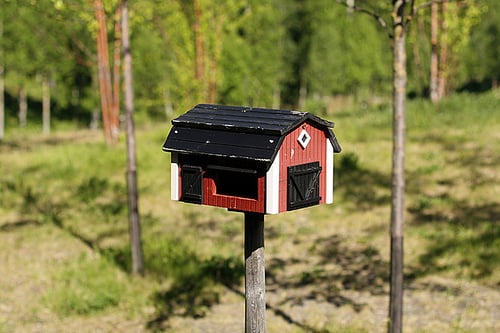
<point x="64" y="233"/>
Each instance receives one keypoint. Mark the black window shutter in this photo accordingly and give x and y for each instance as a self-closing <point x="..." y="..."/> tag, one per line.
<point x="303" y="185"/>
<point x="192" y="184"/>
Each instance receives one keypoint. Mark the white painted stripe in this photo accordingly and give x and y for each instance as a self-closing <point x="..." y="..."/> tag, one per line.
<point x="273" y="187"/>
<point x="174" y="177"/>
<point x="329" y="172"/>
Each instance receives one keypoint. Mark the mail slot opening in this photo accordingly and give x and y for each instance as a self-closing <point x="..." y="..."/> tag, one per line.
<point x="236" y="184"/>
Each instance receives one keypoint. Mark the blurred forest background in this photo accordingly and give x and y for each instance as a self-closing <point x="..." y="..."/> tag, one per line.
<point x="300" y="54"/>
<point x="65" y="254"/>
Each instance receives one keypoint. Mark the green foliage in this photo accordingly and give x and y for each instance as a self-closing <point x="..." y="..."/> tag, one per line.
<point x="483" y="52"/>
<point x="253" y="53"/>
<point x="348" y="52"/>
<point x="36" y="39"/>
<point x="251" y="56"/>
<point x="85" y="286"/>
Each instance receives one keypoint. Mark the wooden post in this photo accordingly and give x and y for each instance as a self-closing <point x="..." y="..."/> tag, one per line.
<point x="255" y="284"/>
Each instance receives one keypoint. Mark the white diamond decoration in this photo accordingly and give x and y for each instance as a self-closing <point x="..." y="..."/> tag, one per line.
<point x="304" y="138"/>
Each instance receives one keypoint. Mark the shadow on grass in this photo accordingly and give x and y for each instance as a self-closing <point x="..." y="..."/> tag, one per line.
<point x="11" y="226"/>
<point x="194" y="284"/>
<point x="464" y="233"/>
<point x="195" y="288"/>
<point x="339" y="267"/>
<point x="280" y="313"/>
<point x="361" y="187"/>
<point x="465" y="237"/>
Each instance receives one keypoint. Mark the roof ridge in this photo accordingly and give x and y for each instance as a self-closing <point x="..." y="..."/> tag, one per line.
<point x="246" y="119"/>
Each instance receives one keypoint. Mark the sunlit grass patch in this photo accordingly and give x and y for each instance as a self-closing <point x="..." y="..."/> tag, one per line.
<point x="85" y="286"/>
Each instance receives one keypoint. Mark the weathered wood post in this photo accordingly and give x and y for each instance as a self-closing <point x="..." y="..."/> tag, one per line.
<point x="255" y="283"/>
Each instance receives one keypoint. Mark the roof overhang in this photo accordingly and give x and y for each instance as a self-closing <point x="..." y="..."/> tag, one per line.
<point x="218" y="143"/>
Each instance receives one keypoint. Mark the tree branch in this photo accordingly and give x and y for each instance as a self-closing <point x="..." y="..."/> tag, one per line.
<point x="377" y="17"/>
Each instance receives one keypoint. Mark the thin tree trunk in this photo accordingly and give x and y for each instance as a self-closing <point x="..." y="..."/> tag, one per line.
<point x="169" y="109"/>
<point x="276" y="97"/>
<point x="416" y="55"/>
<point x="23" y="107"/>
<point x="350" y="6"/>
<point x="46" y="105"/>
<point x="398" y="166"/>
<point x="443" y="52"/>
<point x="212" y="88"/>
<point x="302" y="94"/>
<point x="104" y="71"/>
<point x="2" y="83"/>
<point x="2" y="101"/>
<point x="133" y="195"/>
<point x="96" y="112"/>
<point x="198" y="40"/>
<point x="434" y="93"/>
<point x="115" y="114"/>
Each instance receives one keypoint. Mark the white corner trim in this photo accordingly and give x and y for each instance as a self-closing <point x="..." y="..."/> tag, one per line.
<point x="329" y="172"/>
<point x="273" y="186"/>
<point x="174" y="177"/>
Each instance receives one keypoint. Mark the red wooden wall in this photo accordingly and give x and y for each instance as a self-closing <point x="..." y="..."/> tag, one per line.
<point x="292" y="153"/>
<point x="211" y="198"/>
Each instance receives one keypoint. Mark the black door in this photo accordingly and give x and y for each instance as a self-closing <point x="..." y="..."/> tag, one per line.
<point x="192" y="184"/>
<point x="303" y="185"/>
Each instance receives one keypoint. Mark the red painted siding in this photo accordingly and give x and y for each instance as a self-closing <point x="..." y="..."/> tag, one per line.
<point x="211" y="198"/>
<point x="292" y="153"/>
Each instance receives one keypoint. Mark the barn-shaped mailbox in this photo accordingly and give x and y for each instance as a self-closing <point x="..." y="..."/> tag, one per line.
<point x="251" y="159"/>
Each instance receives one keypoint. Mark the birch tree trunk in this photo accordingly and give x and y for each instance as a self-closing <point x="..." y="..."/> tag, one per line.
<point x="433" y="84"/>
<point x="198" y="40"/>
<point x="276" y="97"/>
<point x="2" y="83"/>
<point x="133" y="195"/>
<point x="46" y="105"/>
<point x="397" y="32"/>
<point x="350" y="6"/>
<point x="2" y="102"/>
<point x="302" y="94"/>
<point x="398" y="166"/>
<point x="443" y="52"/>
<point x="23" y="107"/>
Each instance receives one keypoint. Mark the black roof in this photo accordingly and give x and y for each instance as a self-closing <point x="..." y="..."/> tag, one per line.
<point x="237" y="132"/>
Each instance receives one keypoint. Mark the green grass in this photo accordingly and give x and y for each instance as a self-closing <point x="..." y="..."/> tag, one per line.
<point x="75" y="184"/>
<point x="85" y="286"/>
<point x="452" y="179"/>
